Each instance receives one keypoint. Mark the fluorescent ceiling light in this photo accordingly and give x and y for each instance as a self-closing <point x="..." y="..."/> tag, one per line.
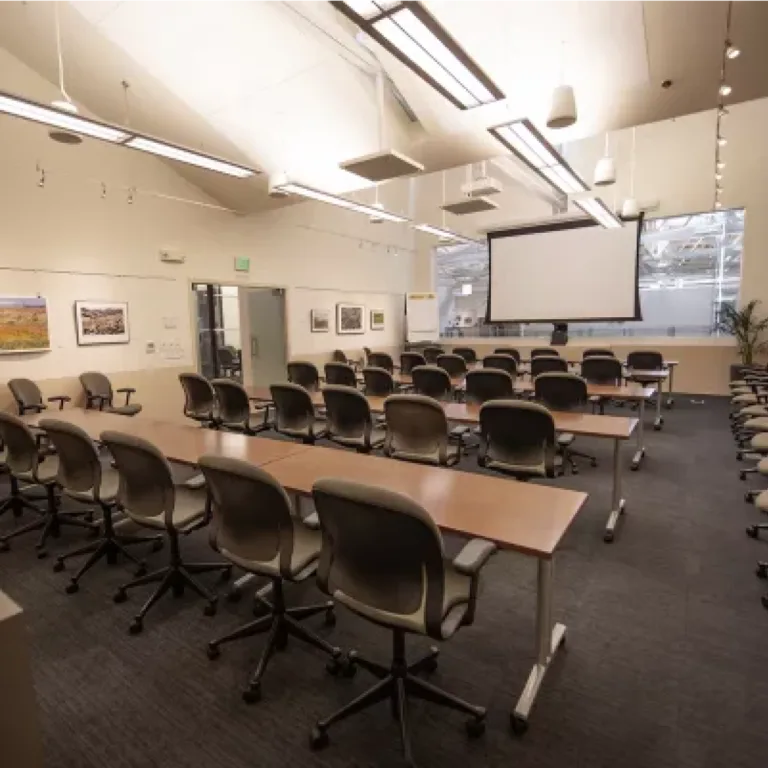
<point x="522" y="138"/>
<point x="341" y="202"/>
<point x="599" y="211"/>
<point x="411" y="34"/>
<point x="188" y="156"/>
<point x="443" y="233"/>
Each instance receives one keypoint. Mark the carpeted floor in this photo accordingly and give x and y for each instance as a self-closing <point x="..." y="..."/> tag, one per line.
<point x="666" y="662"/>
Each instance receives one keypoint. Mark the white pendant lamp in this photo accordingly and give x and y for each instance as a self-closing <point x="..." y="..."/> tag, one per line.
<point x="562" y="113"/>
<point x="605" y="170"/>
<point x="631" y="209"/>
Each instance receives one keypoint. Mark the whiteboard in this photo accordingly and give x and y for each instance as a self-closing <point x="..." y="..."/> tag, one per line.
<point x="422" y="316"/>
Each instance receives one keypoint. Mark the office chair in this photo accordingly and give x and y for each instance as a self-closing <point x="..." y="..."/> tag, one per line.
<point x="98" y="394"/>
<point x="417" y="430"/>
<point x="295" y="414"/>
<point x="544" y="352"/>
<point x="508" y="351"/>
<point x="597" y="352"/>
<point x="228" y="358"/>
<point x="432" y="353"/>
<point x="548" y="364"/>
<point x="378" y="382"/>
<point x="199" y="399"/>
<point x="304" y="374"/>
<point x="382" y="558"/>
<point x="29" y="398"/>
<point x="349" y="420"/>
<point x="234" y="408"/>
<point x="603" y="370"/>
<point x="339" y="356"/>
<point x="25" y="464"/>
<point x="409" y="360"/>
<point x="255" y="527"/>
<point x="453" y="365"/>
<point x="646" y="360"/>
<point x="366" y="353"/>
<point x="381" y="360"/>
<point x="467" y="353"/>
<point x="503" y="362"/>
<point x="83" y="477"/>
<point x="489" y="384"/>
<point x="564" y="392"/>
<point x="148" y="496"/>
<point x="518" y="439"/>
<point x="432" y="381"/>
<point x="16" y="502"/>
<point x="340" y="373"/>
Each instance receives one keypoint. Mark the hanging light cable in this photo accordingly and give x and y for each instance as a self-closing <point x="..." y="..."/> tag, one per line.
<point x="630" y="209"/>
<point x="722" y="112"/>
<point x="65" y="103"/>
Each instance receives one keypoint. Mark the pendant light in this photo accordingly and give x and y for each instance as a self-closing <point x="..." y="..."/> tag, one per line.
<point x="630" y="209"/>
<point x="562" y="113"/>
<point x="605" y="170"/>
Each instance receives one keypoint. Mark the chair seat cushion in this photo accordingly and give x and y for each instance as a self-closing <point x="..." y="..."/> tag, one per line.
<point x="124" y="410"/>
<point x="46" y="472"/>
<point x="760" y="442"/>
<point x="110" y="481"/>
<point x="745" y="400"/>
<point x="188" y="511"/>
<point x="739" y="383"/>
<point x="741" y="391"/>
<point x="564" y="439"/>
<point x="761" y="501"/>
<point x="762" y="466"/>
<point x="758" y="423"/>
<point x="754" y="410"/>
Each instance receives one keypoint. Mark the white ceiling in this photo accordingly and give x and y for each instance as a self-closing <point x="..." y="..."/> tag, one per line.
<point x="288" y="87"/>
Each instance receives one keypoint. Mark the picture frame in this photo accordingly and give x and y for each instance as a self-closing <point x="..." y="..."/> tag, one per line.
<point x="377" y="319"/>
<point x="24" y="325"/>
<point x="349" y="319"/>
<point x="102" y="322"/>
<point x="319" y="320"/>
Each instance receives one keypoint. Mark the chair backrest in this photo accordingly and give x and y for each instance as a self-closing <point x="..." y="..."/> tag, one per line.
<point x="21" y="454"/>
<point x="340" y="373"/>
<point x="96" y="384"/>
<point x="366" y="352"/>
<point x="453" y="365"/>
<point x="543" y="352"/>
<point x="27" y="395"/>
<point x="79" y="465"/>
<point x="381" y="555"/>
<point x="146" y="483"/>
<point x="508" y="351"/>
<point x="234" y="404"/>
<point x="467" y="353"/>
<point x="381" y="360"/>
<point x="547" y="364"/>
<point x="338" y="356"/>
<point x="304" y="374"/>
<point x="409" y="360"/>
<point x="489" y="384"/>
<point x="597" y="352"/>
<point x="517" y="437"/>
<point x="251" y="514"/>
<point x="225" y="356"/>
<point x="347" y="412"/>
<point x="378" y="382"/>
<point x="602" y="370"/>
<point x="645" y="360"/>
<point x="294" y="412"/>
<point x="199" y="395"/>
<point x="503" y="362"/>
<point x="432" y="381"/>
<point x="432" y="353"/>
<point x="417" y="429"/>
<point x="560" y="391"/>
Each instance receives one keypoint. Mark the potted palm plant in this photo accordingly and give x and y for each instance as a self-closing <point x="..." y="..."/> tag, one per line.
<point x="746" y="327"/>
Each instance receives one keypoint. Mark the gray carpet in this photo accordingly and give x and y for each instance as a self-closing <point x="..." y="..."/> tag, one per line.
<point x="666" y="662"/>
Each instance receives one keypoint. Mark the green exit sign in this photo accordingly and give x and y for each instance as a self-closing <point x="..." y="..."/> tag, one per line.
<point x="242" y="264"/>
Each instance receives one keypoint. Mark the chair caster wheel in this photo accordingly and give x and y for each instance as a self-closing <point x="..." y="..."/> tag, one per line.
<point x="136" y="626"/>
<point x="252" y="693"/>
<point x="762" y="571"/>
<point x="58" y="566"/>
<point x="752" y="531"/>
<point x="140" y="571"/>
<point x="738" y="457"/>
<point x="608" y="537"/>
<point x="4" y="546"/>
<point x="226" y="574"/>
<point x="71" y="588"/>
<point x="213" y="651"/>
<point x="157" y="545"/>
<point x="318" y="738"/>
<point x="593" y="462"/>
<point x="42" y="554"/>
<point x="330" y="618"/>
<point x="748" y="497"/>
<point x="120" y="596"/>
<point x="210" y="609"/>
<point x="341" y="666"/>
<point x="742" y="475"/>
<point x="430" y="665"/>
<point x="518" y="724"/>
<point x="475" y="727"/>
<point x="234" y="596"/>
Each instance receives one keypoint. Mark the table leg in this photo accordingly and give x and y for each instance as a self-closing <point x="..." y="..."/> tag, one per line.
<point x="659" y="420"/>
<point x="670" y="399"/>
<point x="640" y="452"/>
<point x="618" y="504"/>
<point x="549" y="638"/>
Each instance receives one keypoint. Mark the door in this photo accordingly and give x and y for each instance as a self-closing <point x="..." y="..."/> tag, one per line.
<point x="264" y="335"/>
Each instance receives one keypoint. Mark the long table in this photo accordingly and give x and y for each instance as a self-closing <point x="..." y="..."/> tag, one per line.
<point x="523" y="517"/>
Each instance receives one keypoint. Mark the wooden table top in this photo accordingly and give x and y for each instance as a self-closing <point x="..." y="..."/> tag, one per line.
<point x="524" y="517"/>
<point x="181" y="443"/>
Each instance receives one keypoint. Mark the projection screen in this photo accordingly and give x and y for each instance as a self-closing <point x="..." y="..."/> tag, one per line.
<point x="564" y="272"/>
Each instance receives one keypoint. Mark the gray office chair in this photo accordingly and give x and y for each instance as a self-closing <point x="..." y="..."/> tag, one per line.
<point x="548" y="364"/>
<point x="199" y="399"/>
<point x="82" y="477"/>
<point x="453" y="365"/>
<point x="304" y="374"/>
<point x="518" y="439"/>
<point x="597" y="352"/>
<point x="295" y="414"/>
<point x="382" y="558"/>
<point x="340" y="373"/>
<point x="417" y="430"/>
<point x="339" y="356"/>
<point x="645" y="360"/>
<point x="503" y="362"/>
<point x="432" y="353"/>
<point x="467" y="353"/>
<point x="603" y="370"/>
<point x="544" y="352"/>
<point x="378" y="382"/>
<point x="409" y="360"/>
<point x="29" y="398"/>
<point x="148" y="496"/>
<point x="229" y="361"/>
<point x="381" y="360"/>
<point x="564" y="392"/>
<point x="98" y="394"/>
<point x="432" y="381"/>
<point x="349" y="420"/>
<point x="255" y="527"/>
<point x="234" y="408"/>
<point x="26" y="466"/>
<point x="16" y="501"/>
<point x="489" y="384"/>
<point x="508" y="351"/>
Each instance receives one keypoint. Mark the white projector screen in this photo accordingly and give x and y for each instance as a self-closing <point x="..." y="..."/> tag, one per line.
<point x="564" y="272"/>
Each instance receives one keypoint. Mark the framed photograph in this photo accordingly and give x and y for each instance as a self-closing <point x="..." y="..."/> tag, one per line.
<point x="349" y="318"/>
<point x="377" y="319"/>
<point x="320" y="320"/>
<point x="23" y="324"/>
<point x="102" y="322"/>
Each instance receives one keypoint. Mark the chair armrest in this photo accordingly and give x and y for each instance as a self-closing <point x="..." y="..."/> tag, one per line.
<point x="473" y="556"/>
<point x="97" y="400"/>
<point x="61" y="400"/>
<point x="127" y="391"/>
<point x="37" y="408"/>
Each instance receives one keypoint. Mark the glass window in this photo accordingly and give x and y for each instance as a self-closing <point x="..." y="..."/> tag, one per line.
<point x="690" y="265"/>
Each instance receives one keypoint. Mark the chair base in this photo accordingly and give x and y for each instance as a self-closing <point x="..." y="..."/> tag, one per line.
<point x="571" y="456"/>
<point x="397" y="684"/>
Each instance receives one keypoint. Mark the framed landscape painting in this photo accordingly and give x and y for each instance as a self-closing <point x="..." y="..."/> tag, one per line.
<point x="320" y="320"/>
<point x="23" y="324"/>
<point x="101" y="322"/>
<point x="349" y="318"/>
<point x="377" y="319"/>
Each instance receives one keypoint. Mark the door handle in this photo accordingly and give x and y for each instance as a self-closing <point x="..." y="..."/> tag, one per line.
<point x="254" y="346"/>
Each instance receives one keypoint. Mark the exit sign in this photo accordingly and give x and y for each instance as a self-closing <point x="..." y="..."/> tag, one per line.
<point x="242" y="264"/>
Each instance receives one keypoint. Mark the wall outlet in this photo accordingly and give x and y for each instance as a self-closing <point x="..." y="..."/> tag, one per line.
<point x="172" y="257"/>
<point x="150" y="348"/>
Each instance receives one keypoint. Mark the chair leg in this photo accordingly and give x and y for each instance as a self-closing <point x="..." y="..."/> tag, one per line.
<point x="35" y="525"/>
<point x="252" y="693"/>
<point x="138" y="621"/>
<point x="302" y="633"/>
<point x="401" y="714"/>
<point x="187" y="578"/>
<point x="380" y="691"/>
<point x="307" y="611"/>
<point x="250" y="629"/>
<point x="421" y="689"/>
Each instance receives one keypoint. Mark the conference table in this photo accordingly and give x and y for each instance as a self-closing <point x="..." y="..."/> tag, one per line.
<point x="521" y="517"/>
